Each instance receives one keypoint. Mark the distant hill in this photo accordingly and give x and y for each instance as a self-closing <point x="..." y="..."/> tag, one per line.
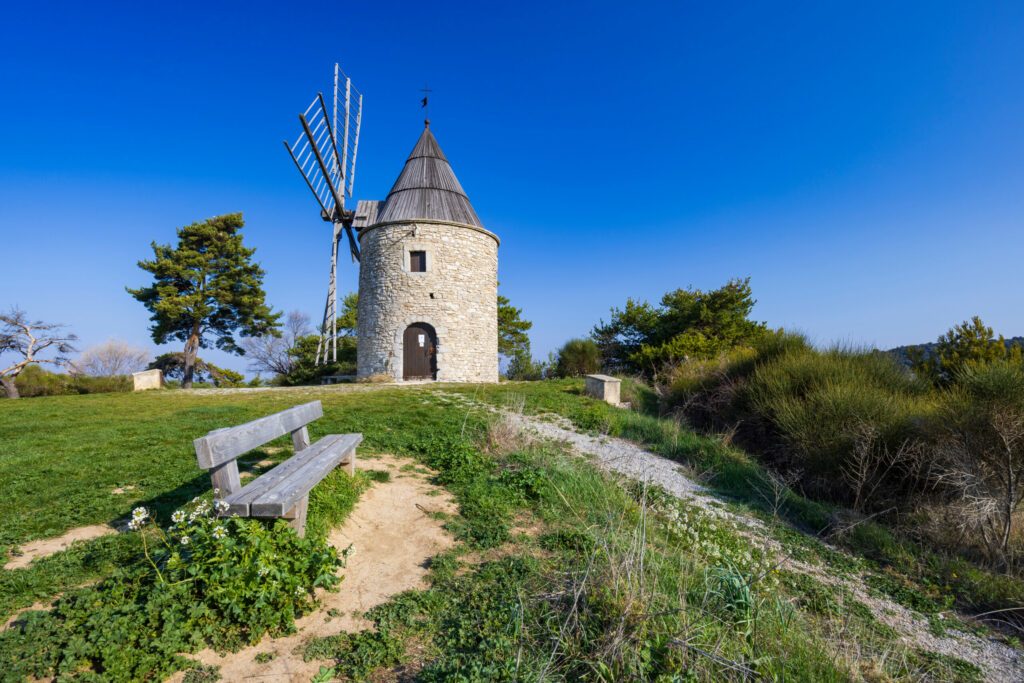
<point x="902" y="353"/>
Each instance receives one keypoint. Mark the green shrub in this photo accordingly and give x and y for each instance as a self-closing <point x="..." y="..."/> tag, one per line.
<point x="698" y="376"/>
<point x="173" y="366"/>
<point x="815" y="411"/>
<point x="305" y="369"/>
<point x="967" y="345"/>
<point x="578" y="357"/>
<point x="205" y="581"/>
<point x="522" y="367"/>
<point x="36" y="381"/>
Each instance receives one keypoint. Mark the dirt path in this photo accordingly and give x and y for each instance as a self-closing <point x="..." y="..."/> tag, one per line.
<point x="24" y="555"/>
<point x="393" y="537"/>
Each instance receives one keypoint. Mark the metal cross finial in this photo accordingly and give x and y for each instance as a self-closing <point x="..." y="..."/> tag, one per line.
<point x="425" y="102"/>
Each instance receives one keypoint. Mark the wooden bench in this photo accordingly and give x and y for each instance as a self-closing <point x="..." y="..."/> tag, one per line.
<point x="283" y="491"/>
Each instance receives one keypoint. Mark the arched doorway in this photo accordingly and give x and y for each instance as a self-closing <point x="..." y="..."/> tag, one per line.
<point x="419" y="352"/>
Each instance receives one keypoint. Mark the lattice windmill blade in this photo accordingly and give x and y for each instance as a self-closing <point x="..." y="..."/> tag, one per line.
<point x="348" y="102"/>
<point x="321" y="154"/>
<point x="312" y="151"/>
<point x="351" y="109"/>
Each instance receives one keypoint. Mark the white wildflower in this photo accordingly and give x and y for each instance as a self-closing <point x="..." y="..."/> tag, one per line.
<point x="221" y="506"/>
<point x="139" y="517"/>
<point x="199" y="511"/>
<point x="220" y="532"/>
<point x="263" y="570"/>
<point x="299" y="592"/>
<point x="185" y="540"/>
<point x="178" y="517"/>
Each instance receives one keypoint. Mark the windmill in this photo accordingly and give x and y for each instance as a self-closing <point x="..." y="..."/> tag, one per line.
<point x="322" y="157"/>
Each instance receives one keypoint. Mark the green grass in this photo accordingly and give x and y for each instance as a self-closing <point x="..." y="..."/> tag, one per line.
<point x="615" y="586"/>
<point x="61" y="458"/>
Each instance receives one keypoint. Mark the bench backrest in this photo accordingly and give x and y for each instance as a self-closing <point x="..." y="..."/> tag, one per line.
<point x="225" y="445"/>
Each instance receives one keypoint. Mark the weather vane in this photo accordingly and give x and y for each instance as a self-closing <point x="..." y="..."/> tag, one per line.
<point x="425" y="102"/>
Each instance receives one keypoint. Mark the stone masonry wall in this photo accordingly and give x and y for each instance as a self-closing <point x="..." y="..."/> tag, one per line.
<point x="457" y="295"/>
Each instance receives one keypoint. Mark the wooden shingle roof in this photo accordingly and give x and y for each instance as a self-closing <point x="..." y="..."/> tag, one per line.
<point x="427" y="189"/>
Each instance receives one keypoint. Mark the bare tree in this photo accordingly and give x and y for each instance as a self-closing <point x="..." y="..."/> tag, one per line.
<point x="989" y="481"/>
<point x="297" y="325"/>
<point x="269" y="353"/>
<point x="872" y="463"/>
<point x="29" y="339"/>
<point x="112" y="357"/>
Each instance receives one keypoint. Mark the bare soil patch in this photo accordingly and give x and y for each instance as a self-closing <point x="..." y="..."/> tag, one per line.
<point x="23" y="557"/>
<point x="393" y="536"/>
<point x="37" y="606"/>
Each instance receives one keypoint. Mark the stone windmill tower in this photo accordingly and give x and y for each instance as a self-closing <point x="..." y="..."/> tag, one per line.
<point x="428" y="278"/>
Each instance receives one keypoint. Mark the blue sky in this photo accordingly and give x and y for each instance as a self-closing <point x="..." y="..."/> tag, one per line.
<point x="862" y="162"/>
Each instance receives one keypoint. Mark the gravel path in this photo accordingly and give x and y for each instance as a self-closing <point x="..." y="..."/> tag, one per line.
<point x="620" y="456"/>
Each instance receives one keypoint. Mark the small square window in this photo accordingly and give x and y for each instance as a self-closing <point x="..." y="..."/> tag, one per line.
<point x="418" y="261"/>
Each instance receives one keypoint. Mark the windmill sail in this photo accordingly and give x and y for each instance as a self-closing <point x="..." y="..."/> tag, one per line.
<point x="321" y="153"/>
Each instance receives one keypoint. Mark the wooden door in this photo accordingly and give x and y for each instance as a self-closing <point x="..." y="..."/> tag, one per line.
<point x="419" y="354"/>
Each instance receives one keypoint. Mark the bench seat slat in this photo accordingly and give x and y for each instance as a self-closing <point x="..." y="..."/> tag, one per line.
<point x="240" y="500"/>
<point x="288" y="490"/>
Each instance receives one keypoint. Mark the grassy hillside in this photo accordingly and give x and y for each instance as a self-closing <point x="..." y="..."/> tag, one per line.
<point x="561" y="571"/>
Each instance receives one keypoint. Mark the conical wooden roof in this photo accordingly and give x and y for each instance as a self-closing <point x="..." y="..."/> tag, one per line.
<point x="427" y="189"/>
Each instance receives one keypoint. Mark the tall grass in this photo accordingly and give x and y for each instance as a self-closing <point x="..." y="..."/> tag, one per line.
<point x="808" y="410"/>
<point x="820" y="403"/>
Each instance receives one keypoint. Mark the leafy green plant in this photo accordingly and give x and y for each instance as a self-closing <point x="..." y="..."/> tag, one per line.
<point x="206" y="580"/>
<point x="201" y="674"/>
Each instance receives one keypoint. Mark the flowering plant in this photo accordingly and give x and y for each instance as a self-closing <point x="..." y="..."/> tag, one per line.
<point x="240" y="577"/>
<point x="715" y="539"/>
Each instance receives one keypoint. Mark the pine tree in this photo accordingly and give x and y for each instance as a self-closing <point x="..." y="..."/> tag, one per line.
<point x="206" y="290"/>
<point x="970" y="344"/>
<point x="512" y="337"/>
<point x="347" y="323"/>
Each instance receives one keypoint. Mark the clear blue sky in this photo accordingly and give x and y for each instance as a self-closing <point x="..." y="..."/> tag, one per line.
<point x="862" y="162"/>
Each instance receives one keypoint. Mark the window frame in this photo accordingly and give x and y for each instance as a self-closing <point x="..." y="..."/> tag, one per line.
<point x="418" y="257"/>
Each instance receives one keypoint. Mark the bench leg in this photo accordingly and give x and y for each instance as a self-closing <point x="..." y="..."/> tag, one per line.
<point x="351" y="464"/>
<point x="297" y="516"/>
